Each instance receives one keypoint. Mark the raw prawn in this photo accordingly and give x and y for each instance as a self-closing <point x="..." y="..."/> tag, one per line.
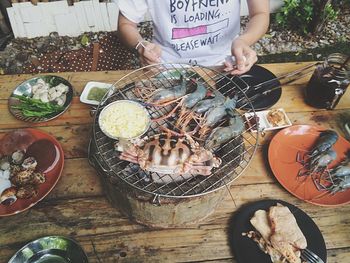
<point x="221" y="135"/>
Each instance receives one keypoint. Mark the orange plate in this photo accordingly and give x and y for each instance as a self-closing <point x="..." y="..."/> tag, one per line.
<point x="282" y="154"/>
<point x="44" y="189"/>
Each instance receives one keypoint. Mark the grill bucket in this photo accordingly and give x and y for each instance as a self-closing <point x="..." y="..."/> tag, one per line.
<point x="168" y="200"/>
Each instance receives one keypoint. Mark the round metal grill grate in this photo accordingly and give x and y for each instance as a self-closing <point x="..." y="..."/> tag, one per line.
<point x="235" y="154"/>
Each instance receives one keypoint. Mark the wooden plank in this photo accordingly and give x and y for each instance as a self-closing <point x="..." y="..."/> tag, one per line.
<point x="94" y="219"/>
<point x="74" y="139"/>
<point x="78" y="113"/>
<point x="78" y="80"/>
<point x="77" y="208"/>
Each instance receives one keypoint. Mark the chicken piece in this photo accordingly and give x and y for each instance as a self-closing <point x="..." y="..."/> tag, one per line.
<point x="261" y="223"/>
<point x="287" y="240"/>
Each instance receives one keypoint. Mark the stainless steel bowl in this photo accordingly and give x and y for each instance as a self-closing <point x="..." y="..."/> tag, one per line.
<point x="47" y="249"/>
<point x="118" y="102"/>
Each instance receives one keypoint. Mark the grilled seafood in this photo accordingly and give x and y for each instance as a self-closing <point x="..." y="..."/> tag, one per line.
<point x="167" y="154"/>
<point x="215" y="114"/>
<point x="324" y="142"/>
<point x="165" y="95"/>
<point x="196" y="96"/>
<point x="186" y="114"/>
<point x="221" y="135"/>
<point x="317" y="164"/>
<point x="204" y="105"/>
<point x="320" y="156"/>
<point x="338" y="178"/>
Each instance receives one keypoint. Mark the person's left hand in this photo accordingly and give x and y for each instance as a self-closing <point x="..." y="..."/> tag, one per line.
<point x="245" y="58"/>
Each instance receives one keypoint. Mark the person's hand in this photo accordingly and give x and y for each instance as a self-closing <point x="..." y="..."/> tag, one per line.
<point x="244" y="55"/>
<point x="149" y="53"/>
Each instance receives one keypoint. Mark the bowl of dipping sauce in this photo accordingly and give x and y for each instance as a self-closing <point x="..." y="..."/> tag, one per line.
<point x="124" y="119"/>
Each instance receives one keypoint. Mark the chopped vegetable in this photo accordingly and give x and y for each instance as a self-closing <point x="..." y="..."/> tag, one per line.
<point x="96" y="93"/>
<point x="36" y="108"/>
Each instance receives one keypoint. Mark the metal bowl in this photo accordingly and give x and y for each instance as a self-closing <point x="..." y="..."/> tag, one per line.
<point x="25" y="89"/>
<point x="56" y="249"/>
<point x="118" y="102"/>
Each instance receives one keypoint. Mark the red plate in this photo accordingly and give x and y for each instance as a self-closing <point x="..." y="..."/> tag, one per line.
<point x="282" y="154"/>
<point x="52" y="175"/>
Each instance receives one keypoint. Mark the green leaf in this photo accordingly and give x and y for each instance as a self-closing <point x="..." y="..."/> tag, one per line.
<point x="85" y="40"/>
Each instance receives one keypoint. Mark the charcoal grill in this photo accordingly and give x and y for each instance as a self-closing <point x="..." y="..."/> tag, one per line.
<point x="167" y="200"/>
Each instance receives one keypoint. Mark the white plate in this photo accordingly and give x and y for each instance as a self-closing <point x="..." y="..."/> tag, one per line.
<point x="88" y="87"/>
<point x="264" y="124"/>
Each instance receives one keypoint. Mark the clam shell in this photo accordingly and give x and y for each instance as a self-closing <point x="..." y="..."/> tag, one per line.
<point x="8" y="196"/>
<point x="17" y="157"/>
<point x="29" y="163"/>
<point x="27" y="191"/>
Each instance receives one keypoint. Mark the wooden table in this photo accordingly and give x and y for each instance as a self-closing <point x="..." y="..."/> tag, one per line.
<point x="77" y="206"/>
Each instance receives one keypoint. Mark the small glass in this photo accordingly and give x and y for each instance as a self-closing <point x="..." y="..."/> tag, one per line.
<point x="328" y="82"/>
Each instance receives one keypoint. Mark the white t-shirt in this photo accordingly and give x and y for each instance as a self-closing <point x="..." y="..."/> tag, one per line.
<point x="189" y="31"/>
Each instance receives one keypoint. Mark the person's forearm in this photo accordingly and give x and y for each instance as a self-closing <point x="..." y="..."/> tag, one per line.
<point x="258" y="24"/>
<point x="128" y="32"/>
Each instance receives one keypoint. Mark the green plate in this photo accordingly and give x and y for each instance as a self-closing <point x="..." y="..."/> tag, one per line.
<point x="25" y="89"/>
<point x="50" y="249"/>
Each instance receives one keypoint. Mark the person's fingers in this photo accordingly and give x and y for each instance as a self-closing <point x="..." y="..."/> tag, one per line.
<point x="240" y="58"/>
<point x="251" y="57"/>
<point x="228" y="66"/>
<point x="152" y="53"/>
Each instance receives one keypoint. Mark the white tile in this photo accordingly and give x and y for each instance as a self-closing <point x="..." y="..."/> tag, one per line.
<point x="89" y="13"/>
<point x="98" y="17"/>
<point x="13" y="22"/>
<point x="31" y="14"/>
<point x="67" y="25"/>
<point x="17" y="16"/>
<point x="23" y="4"/>
<point x="35" y="29"/>
<point x="113" y="13"/>
<point x="58" y="7"/>
<point x="81" y="15"/>
<point x="49" y="10"/>
<point x="104" y="14"/>
<point x="72" y="11"/>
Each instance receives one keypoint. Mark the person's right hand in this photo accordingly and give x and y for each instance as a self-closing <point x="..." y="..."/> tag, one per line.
<point x="149" y="53"/>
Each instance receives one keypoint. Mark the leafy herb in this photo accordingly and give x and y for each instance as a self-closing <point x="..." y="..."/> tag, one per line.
<point x="36" y="108"/>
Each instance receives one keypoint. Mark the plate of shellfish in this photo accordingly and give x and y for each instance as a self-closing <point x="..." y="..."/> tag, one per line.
<point x="312" y="163"/>
<point x="41" y="98"/>
<point x="31" y="163"/>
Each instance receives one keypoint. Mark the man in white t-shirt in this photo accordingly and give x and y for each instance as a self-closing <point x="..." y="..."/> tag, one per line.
<point x="204" y="32"/>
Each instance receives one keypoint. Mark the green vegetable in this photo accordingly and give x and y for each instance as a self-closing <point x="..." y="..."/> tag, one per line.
<point x="85" y="40"/>
<point x="96" y="93"/>
<point x="36" y="108"/>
